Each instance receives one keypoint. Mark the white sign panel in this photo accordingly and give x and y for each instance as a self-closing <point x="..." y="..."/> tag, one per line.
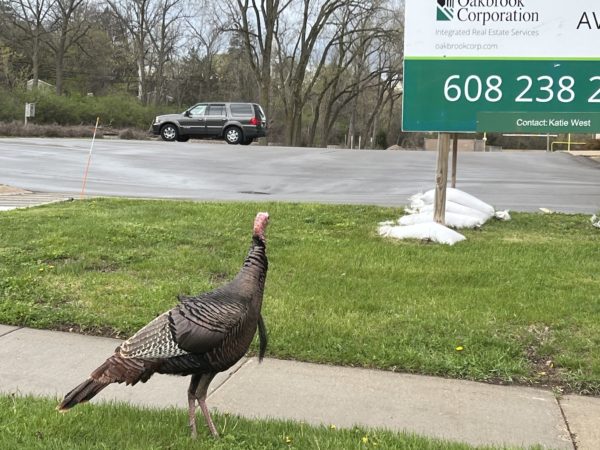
<point x="29" y="109"/>
<point x="502" y="28"/>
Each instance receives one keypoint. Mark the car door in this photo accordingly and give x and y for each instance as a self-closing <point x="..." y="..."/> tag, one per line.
<point x="216" y="116"/>
<point x="194" y="120"/>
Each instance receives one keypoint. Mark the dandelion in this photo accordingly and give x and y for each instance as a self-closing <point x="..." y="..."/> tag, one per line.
<point x="365" y="439"/>
<point x="332" y="427"/>
<point x="460" y="348"/>
<point x="288" y="440"/>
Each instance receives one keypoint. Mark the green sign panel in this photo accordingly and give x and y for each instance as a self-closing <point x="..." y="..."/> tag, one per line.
<point x="451" y="94"/>
<point x="509" y="65"/>
<point x="544" y="122"/>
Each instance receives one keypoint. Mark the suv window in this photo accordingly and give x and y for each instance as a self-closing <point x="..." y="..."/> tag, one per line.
<point x="198" y="110"/>
<point x="240" y="109"/>
<point x="216" y="110"/>
<point x="259" y="111"/>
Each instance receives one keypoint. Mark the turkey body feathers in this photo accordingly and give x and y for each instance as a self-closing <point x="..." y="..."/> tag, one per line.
<point x="203" y="334"/>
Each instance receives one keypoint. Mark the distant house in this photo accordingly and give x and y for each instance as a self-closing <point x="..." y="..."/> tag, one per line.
<point x="42" y="85"/>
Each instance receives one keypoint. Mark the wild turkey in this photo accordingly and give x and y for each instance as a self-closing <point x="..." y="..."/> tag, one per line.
<point x="201" y="336"/>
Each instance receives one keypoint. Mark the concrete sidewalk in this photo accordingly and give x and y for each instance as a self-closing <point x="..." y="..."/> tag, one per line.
<point x="51" y="363"/>
<point x="16" y="198"/>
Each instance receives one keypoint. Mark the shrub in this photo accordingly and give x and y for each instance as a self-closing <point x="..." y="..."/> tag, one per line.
<point x="130" y="133"/>
<point x="118" y="111"/>
<point x="17" y="129"/>
<point x="381" y="140"/>
<point x="54" y="109"/>
<point x="11" y="108"/>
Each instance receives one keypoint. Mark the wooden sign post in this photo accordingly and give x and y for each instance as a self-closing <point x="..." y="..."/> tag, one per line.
<point x="454" y="158"/>
<point x="441" y="178"/>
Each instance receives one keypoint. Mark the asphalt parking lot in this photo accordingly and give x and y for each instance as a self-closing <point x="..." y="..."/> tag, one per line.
<point x="519" y="181"/>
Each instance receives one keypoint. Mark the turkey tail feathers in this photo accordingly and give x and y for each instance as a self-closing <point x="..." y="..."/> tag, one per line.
<point x="115" y="369"/>
<point x="82" y="393"/>
<point x="262" y="338"/>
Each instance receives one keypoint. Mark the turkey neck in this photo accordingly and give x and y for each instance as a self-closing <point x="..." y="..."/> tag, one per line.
<point x="251" y="277"/>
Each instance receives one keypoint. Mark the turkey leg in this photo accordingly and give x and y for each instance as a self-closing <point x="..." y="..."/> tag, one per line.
<point x="197" y="391"/>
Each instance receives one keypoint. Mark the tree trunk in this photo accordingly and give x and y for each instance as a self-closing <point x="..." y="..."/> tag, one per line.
<point x="59" y="74"/>
<point x="265" y="93"/>
<point x="370" y="129"/>
<point x="60" y="63"/>
<point x="351" y="125"/>
<point x="35" y="62"/>
<point x="315" y="122"/>
<point x="141" y="79"/>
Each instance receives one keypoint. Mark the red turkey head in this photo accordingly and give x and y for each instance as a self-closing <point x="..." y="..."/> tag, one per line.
<point x="260" y="224"/>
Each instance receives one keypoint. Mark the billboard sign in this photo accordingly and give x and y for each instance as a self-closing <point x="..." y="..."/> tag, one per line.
<point x="502" y="65"/>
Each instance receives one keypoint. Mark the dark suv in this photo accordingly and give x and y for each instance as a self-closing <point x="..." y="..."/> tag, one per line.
<point x="237" y="123"/>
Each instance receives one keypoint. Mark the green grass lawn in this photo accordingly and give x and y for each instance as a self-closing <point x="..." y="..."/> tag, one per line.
<point x="521" y="298"/>
<point x="31" y="423"/>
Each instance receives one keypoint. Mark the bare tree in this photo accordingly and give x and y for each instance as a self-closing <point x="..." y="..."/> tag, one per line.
<point x="138" y="17"/>
<point x="30" y="19"/>
<point x="355" y="70"/>
<point x="103" y="59"/>
<point x="164" y="35"/>
<point x="296" y="54"/>
<point x="205" y="43"/>
<point x="257" y="22"/>
<point x="336" y="66"/>
<point x="69" y="28"/>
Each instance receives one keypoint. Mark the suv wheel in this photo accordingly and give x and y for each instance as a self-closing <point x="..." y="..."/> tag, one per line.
<point x="169" y="132"/>
<point x="233" y="135"/>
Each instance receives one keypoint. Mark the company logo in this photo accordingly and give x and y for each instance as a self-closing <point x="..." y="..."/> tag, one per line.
<point x="485" y="12"/>
<point x="445" y="10"/>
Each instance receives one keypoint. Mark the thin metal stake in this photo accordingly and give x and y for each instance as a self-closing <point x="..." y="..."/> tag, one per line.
<point x="87" y="167"/>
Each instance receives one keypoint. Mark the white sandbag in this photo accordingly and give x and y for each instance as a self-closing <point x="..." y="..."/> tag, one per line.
<point x="457" y="208"/>
<point x="452" y="220"/>
<point x="412" y="219"/>
<point x="452" y="195"/>
<point x="416" y="203"/>
<point x="430" y="230"/>
<point x="595" y="221"/>
<point x="502" y="215"/>
<point x="410" y="210"/>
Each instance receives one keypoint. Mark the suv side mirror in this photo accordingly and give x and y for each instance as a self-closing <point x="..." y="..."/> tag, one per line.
<point x="186" y="114"/>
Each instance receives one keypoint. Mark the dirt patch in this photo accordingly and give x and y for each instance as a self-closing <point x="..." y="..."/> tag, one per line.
<point x="10" y="190"/>
<point x="91" y="331"/>
<point x="544" y="369"/>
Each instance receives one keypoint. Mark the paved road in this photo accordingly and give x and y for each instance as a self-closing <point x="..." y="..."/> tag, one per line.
<point x="522" y="181"/>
